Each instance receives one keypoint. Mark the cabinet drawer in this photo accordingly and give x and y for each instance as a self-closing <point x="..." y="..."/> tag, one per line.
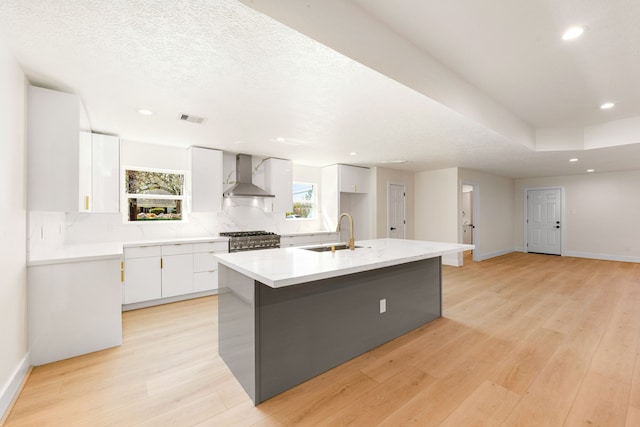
<point x="204" y="262"/>
<point x="211" y="247"/>
<point x="205" y="281"/>
<point x="177" y="249"/>
<point x="141" y="252"/>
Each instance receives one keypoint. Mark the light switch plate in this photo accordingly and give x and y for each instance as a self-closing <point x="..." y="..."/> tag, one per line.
<point x="383" y="305"/>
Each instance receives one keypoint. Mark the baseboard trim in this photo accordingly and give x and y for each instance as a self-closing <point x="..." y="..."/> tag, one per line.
<point x="483" y="257"/>
<point x="11" y="390"/>
<point x="603" y="257"/>
<point x="145" y="304"/>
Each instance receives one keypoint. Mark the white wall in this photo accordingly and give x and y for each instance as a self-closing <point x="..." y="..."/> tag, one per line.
<point x="378" y="195"/>
<point x="436" y="207"/>
<point x="600" y="218"/>
<point x="494" y="232"/>
<point x="13" y="229"/>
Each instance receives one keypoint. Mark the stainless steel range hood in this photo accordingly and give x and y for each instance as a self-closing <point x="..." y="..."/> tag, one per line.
<point x="244" y="187"/>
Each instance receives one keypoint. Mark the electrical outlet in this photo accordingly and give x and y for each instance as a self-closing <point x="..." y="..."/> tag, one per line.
<point x="383" y="305"/>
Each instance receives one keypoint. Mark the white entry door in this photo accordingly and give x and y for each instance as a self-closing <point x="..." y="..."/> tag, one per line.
<point x="544" y="211"/>
<point x="395" y="209"/>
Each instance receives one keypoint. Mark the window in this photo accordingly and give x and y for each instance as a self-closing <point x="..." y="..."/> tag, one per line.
<point x="304" y="201"/>
<point x="154" y="195"/>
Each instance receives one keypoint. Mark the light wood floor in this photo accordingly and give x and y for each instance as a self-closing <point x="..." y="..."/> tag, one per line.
<point x="526" y="340"/>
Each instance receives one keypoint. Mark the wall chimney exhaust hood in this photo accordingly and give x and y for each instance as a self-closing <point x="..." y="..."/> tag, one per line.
<point x="244" y="186"/>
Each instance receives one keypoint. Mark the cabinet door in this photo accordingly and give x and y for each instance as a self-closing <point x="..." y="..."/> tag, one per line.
<point x="105" y="177"/>
<point x="177" y="275"/>
<point x="353" y="179"/>
<point x="74" y="308"/>
<point x="52" y="164"/>
<point x="278" y="176"/>
<point x="142" y="279"/>
<point x="85" y="174"/>
<point x="346" y="179"/>
<point x="205" y="192"/>
<point x="361" y="180"/>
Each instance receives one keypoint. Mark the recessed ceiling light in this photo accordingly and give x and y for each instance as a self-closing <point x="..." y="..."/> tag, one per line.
<point x="573" y="160"/>
<point x="145" y="112"/>
<point x="353" y="153"/>
<point x="572" y="33"/>
<point x="607" y="105"/>
<point x="280" y="139"/>
<point x="591" y="170"/>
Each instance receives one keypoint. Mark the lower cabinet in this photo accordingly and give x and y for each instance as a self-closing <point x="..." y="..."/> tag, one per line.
<point x="74" y="309"/>
<point x="158" y="272"/>
<point x="205" y="266"/>
<point x="177" y="270"/>
<point x="142" y="274"/>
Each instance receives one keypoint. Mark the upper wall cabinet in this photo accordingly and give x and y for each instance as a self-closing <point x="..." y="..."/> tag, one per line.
<point x="99" y="173"/>
<point x="278" y="180"/>
<point x="205" y="185"/>
<point x="68" y="170"/>
<point x="53" y="157"/>
<point x="353" y="179"/>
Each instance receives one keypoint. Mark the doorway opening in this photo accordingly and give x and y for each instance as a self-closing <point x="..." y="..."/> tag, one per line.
<point x="396" y="208"/>
<point x="543" y="220"/>
<point x="469" y="218"/>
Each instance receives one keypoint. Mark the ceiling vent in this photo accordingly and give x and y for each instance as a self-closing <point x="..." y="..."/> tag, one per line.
<point x="191" y="118"/>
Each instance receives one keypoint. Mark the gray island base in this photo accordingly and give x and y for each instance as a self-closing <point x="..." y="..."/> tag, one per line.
<point x="273" y="339"/>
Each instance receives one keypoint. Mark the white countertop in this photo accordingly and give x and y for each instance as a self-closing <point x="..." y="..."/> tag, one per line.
<point x="290" y="266"/>
<point x="106" y="250"/>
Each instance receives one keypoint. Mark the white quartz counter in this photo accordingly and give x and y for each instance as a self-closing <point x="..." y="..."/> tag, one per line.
<point x="105" y="250"/>
<point x="290" y="266"/>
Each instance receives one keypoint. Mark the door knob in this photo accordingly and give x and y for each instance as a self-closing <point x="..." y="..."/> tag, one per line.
<point x="557" y="222"/>
<point x="557" y="226"/>
<point x="393" y="228"/>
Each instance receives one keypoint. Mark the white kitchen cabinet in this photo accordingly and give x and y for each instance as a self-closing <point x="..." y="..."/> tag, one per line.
<point x="105" y="173"/>
<point x="53" y="142"/>
<point x="205" y="265"/>
<point x="334" y="202"/>
<point x="205" y="184"/>
<point x="353" y="179"/>
<point x="278" y="180"/>
<point x="162" y="273"/>
<point x="74" y="309"/>
<point x="99" y="173"/>
<point x="142" y="274"/>
<point x="177" y="270"/>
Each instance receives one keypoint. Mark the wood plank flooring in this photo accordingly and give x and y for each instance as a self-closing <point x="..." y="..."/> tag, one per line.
<point x="525" y="340"/>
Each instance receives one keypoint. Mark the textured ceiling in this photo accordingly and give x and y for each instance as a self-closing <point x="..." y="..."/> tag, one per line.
<point x="257" y="82"/>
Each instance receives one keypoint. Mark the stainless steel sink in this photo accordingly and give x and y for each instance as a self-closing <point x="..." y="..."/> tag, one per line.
<point x="328" y="248"/>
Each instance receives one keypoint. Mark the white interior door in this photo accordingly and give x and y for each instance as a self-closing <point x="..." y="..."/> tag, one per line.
<point x="544" y="211"/>
<point x="396" y="211"/>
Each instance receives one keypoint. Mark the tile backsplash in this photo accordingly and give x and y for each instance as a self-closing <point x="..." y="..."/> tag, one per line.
<point x="50" y="230"/>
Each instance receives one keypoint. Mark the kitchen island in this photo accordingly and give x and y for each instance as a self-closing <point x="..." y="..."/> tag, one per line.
<point x="287" y="315"/>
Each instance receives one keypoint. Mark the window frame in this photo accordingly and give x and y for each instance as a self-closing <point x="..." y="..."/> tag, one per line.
<point x="125" y="196"/>
<point x="314" y="201"/>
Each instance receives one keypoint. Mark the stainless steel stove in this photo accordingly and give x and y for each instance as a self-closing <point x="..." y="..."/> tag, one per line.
<point x="251" y="240"/>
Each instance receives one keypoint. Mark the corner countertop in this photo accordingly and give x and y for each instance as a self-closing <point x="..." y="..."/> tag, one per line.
<point x="82" y="252"/>
<point x="291" y="266"/>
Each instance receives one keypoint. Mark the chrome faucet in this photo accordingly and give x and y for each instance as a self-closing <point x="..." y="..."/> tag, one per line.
<point x="352" y="243"/>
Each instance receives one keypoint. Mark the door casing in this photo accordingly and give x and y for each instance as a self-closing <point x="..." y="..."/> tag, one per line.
<point x="563" y="215"/>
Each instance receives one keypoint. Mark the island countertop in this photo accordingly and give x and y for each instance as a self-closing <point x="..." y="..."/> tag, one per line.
<point x="291" y="266"/>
